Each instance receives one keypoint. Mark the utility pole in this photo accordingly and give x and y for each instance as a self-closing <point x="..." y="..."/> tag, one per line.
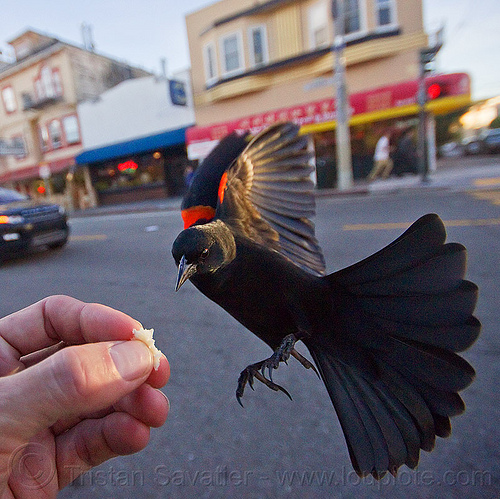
<point x="427" y="56"/>
<point x="343" y="138"/>
<point x="423" y="163"/>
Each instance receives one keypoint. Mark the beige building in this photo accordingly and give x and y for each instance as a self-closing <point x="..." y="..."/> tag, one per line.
<point x="258" y="61"/>
<point x="39" y="125"/>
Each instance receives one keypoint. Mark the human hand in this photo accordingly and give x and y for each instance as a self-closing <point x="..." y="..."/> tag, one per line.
<point x="63" y="413"/>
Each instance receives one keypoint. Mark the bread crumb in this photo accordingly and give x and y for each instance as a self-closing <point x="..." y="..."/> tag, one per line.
<point x="146" y="336"/>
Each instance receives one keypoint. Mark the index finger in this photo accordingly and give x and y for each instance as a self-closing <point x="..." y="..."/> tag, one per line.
<point x="62" y="318"/>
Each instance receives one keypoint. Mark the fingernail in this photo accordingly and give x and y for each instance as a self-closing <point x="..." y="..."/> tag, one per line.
<point x="166" y="398"/>
<point x="132" y="359"/>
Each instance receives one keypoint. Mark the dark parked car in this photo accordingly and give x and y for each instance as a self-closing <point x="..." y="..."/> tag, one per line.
<point x="491" y="140"/>
<point x="27" y="224"/>
<point x="472" y="146"/>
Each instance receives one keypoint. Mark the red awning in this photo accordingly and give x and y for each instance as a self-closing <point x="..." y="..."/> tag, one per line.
<point x="33" y="172"/>
<point x="200" y="140"/>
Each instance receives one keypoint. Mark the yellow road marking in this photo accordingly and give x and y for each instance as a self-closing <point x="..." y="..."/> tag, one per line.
<point x="492" y="196"/>
<point x="381" y="226"/>
<point x="92" y="237"/>
<point x="403" y="225"/>
<point x="487" y="181"/>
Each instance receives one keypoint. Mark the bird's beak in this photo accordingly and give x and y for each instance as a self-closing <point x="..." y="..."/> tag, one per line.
<point x="186" y="270"/>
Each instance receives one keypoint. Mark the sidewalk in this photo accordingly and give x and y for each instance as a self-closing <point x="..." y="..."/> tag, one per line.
<point x="473" y="172"/>
<point x="470" y="172"/>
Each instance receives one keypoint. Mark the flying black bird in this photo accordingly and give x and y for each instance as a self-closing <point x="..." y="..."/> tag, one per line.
<point x="383" y="333"/>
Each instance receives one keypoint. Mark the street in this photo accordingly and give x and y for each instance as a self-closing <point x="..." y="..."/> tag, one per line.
<point x="210" y="446"/>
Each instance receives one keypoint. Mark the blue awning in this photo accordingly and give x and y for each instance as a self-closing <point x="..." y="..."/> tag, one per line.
<point x="135" y="146"/>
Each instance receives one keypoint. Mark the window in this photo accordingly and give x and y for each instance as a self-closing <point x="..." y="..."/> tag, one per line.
<point x="318" y="25"/>
<point x="44" y="138"/>
<point x="48" y="85"/>
<point x="55" y="134"/>
<point x="19" y="143"/>
<point x="231" y="54"/>
<point x="71" y="130"/>
<point x="9" y="99"/>
<point x="129" y="172"/>
<point x="257" y="41"/>
<point x="56" y="82"/>
<point x="352" y="16"/>
<point x="385" y="13"/>
<point x="210" y="62"/>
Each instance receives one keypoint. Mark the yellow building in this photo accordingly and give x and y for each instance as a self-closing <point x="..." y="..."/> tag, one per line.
<point x="258" y="61"/>
<point x="39" y="125"/>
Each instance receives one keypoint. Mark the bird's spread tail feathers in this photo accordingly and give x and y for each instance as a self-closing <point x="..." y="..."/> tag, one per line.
<point x="391" y="368"/>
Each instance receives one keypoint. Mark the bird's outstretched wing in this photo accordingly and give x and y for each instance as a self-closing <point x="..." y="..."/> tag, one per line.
<point x="268" y="196"/>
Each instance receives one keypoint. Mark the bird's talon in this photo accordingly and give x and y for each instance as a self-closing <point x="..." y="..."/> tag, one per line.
<point x="272" y="386"/>
<point x="306" y="363"/>
<point x="258" y="370"/>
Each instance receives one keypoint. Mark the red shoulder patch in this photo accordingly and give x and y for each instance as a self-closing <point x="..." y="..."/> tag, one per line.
<point x="193" y="214"/>
<point x="222" y="187"/>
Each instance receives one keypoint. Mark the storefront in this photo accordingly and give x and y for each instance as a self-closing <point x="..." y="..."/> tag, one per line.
<point x="44" y="180"/>
<point x="140" y="169"/>
<point x="393" y="106"/>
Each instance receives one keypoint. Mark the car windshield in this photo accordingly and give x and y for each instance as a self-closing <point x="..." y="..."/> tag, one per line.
<point x="9" y="196"/>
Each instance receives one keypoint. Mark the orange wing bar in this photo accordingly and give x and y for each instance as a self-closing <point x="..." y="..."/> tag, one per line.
<point x="193" y="214"/>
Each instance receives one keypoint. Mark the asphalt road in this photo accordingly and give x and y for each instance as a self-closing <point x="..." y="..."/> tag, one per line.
<point x="210" y="446"/>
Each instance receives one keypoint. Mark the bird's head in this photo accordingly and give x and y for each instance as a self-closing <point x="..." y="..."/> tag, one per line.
<point x="202" y="249"/>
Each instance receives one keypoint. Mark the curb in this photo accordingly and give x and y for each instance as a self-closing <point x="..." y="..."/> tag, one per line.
<point x="123" y="210"/>
<point x="378" y="187"/>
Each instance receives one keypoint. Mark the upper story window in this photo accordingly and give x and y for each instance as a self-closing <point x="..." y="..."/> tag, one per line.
<point x="71" y="129"/>
<point x="62" y="132"/>
<point x="231" y="48"/>
<point x="55" y="134"/>
<point x="257" y="41"/>
<point x="385" y="13"/>
<point x="44" y="138"/>
<point x="9" y="99"/>
<point x="210" y="60"/>
<point x="318" y="25"/>
<point x="48" y="84"/>
<point x="21" y="143"/>
<point x="353" y="17"/>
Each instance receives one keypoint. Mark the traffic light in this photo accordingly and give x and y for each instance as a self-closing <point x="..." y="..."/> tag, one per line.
<point x="436" y="90"/>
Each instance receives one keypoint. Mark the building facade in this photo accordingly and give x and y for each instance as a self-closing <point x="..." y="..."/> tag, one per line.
<point x="39" y="125"/>
<point x="259" y="61"/>
<point x="134" y="139"/>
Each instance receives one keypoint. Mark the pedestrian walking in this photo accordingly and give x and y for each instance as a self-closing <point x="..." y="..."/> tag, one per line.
<point x="381" y="158"/>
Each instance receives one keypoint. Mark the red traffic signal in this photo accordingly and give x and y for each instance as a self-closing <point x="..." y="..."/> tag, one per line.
<point x="435" y="90"/>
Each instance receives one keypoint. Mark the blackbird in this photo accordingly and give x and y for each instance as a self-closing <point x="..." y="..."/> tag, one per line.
<point x="383" y="332"/>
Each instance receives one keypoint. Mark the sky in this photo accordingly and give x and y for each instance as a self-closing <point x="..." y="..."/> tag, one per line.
<point x="143" y="32"/>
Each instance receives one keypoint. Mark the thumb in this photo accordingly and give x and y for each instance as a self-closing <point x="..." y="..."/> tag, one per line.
<point x="77" y="380"/>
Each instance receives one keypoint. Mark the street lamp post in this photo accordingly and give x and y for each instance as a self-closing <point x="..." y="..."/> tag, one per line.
<point x="343" y="139"/>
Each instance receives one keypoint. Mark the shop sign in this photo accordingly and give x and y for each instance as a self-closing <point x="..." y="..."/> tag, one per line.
<point x="177" y="92"/>
<point x="393" y="96"/>
<point x="44" y="172"/>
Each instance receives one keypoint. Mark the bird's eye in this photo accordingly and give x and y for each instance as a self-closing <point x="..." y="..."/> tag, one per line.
<point x="204" y="253"/>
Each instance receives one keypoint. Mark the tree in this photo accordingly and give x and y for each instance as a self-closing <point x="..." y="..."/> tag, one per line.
<point x="495" y="123"/>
